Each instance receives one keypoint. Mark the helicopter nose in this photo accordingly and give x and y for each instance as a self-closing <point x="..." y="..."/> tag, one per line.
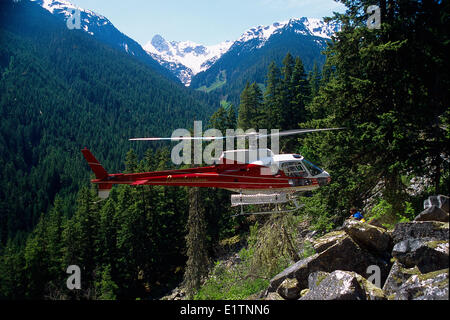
<point x="327" y="177"/>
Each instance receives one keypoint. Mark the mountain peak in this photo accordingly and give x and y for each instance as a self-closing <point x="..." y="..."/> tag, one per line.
<point x="185" y="58"/>
<point x="159" y="43"/>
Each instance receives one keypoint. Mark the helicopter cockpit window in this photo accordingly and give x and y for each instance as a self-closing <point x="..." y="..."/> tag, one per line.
<point x="314" y="170"/>
<point x="293" y="169"/>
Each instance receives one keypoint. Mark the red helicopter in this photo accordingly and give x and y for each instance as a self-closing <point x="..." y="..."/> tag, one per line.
<point x="258" y="175"/>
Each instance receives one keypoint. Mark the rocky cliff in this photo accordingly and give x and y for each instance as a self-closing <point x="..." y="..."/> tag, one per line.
<point x="361" y="261"/>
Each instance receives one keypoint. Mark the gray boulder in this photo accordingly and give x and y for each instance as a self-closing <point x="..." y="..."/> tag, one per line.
<point x="426" y="255"/>
<point x="345" y="255"/>
<point x="338" y="285"/>
<point x="439" y="201"/>
<point x="368" y="236"/>
<point x="327" y="240"/>
<point x="315" y="278"/>
<point x="397" y="276"/>
<point x="433" y="213"/>
<point x="432" y="230"/>
<point x="341" y="285"/>
<point x="429" y="286"/>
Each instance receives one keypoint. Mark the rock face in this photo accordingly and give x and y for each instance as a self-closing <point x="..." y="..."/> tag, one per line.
<point x="341" y="268"/>
<point x="328" y="240"/>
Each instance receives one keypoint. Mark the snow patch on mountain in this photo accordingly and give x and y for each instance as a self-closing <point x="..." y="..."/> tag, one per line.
<point x="193" y="56"/>
<point x="88" y="20"/>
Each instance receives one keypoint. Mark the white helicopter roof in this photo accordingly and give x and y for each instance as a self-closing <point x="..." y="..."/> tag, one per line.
<point x="261" y="156"/>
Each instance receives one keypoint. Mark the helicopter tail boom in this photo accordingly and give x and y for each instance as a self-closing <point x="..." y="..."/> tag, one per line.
<point x="100" y="173"/>
<point x="96" y="167"/>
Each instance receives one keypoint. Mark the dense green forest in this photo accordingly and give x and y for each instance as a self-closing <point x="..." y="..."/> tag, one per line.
<point x="387" y="87"/>
<point x="61" y="91"/>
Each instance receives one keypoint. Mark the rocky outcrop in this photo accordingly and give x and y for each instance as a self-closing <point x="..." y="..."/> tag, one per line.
<point x="411" y="261"/>
<point x="345" y="255"/>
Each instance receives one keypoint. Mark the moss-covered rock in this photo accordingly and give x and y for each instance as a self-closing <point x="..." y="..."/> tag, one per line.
<point x="397" y="276"/>
<point x="369" y="236"/>
<point x="372" y="291"/>
<point x="327" y="240"/>
<point x="338" y="285"/>
<point x="430" y="286"/>
<point x="315" y="278"/>
<point x="304" y="292"/>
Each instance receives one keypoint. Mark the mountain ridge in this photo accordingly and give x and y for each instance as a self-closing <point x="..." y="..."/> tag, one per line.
<point x="186" y="58"/>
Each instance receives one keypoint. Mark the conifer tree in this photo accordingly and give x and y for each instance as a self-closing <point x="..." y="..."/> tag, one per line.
<point x="272" y="109"/>
<point x="197" y="263"/>
<point x="389" y="88"/>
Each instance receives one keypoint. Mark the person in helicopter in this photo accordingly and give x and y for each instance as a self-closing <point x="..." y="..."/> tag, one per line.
<point x="355" y="214"/>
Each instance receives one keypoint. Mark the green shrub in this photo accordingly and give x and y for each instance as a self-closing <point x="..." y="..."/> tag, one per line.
<point x="384" y="213"/>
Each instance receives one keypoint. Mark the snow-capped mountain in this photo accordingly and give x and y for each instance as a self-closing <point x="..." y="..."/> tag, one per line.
<point x="89" y="22"/>
<point x="248" y="59"/>
<point x="306" y="26"/>
<point x="185" y="58"/>
<point x="103" y="30"/>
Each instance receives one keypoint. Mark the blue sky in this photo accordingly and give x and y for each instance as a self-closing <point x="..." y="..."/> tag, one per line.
<point x="202" y="21"/>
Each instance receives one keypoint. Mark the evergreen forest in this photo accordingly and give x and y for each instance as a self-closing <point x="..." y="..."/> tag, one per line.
<point x="61" y="91"/>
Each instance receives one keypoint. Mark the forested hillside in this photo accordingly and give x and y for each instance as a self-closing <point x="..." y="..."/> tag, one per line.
<point x="387" y="89"/>
<point x="62" y="90"/>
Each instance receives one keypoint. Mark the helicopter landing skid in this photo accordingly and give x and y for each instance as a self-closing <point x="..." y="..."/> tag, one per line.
<point x="241" y="200"/>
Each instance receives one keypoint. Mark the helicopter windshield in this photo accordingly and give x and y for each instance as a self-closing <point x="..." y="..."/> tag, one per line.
<point x="293" y="169"/>
<point x="314" y="170"/>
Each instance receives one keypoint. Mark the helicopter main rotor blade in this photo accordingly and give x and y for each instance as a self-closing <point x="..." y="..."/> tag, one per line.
<point x="175" y="138"/>
<point x="297" y="131"/>
<point x="252" y="134"/>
